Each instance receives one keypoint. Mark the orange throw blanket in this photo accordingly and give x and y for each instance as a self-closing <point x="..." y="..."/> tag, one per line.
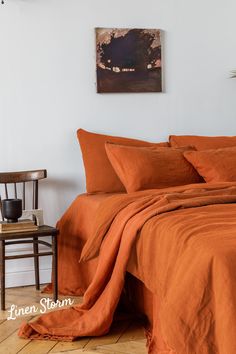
<point x="190" y="235"/>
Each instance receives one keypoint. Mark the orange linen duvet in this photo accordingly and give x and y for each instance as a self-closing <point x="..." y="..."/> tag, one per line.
<point x="181" y="242"/>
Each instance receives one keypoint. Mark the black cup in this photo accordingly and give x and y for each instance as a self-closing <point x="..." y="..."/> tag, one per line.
<point x="11" y="209"/>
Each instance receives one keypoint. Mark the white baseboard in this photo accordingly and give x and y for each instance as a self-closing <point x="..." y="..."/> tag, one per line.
<point x="22" y="278"/>
<point x="21" y="272"/>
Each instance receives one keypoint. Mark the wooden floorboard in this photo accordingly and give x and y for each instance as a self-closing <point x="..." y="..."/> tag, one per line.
<point x="137" y="347"/>
<point x="114" y="335"/>
<point x="9" y="327"/>
<point x="38" y="346"/>
<point x="71" y="346"/>
<point x="125" y="337"/>
<point x="13" y="344"/>
<point x="134" y="332"/>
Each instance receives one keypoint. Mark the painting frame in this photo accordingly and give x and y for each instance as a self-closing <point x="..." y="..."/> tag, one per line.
<point x="128" y="60"/>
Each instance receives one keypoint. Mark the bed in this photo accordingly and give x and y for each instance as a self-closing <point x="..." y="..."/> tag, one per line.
<point x="78" y="226"/>
<point x="178" y="246"/>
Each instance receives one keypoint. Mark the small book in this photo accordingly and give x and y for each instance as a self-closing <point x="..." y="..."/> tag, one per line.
<point x="20" y="226"/>
<point x="19" y="230"/>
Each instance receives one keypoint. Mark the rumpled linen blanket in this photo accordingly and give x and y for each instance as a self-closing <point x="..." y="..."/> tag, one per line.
<point x="187" y="257"/>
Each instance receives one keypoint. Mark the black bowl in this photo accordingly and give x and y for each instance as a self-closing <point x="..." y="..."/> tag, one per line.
<point x="11" y="209"/>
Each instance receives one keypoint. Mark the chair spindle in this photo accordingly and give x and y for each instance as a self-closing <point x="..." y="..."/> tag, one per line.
<point x="35" y="194"/>
<point x="15" y="190"/>
<point x="6" y="190"/>
<point x="23" y="196"/>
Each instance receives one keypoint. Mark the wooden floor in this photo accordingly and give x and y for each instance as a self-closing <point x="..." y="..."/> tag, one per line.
<point x="125" y="337"/>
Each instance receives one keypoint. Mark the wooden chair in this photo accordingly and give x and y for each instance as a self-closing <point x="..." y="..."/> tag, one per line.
<point x="29" y="177"/>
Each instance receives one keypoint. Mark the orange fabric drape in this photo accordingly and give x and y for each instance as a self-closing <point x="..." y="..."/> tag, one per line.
<point x="188" y="249"/>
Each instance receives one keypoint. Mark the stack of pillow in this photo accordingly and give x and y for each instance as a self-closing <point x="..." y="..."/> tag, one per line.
<point x="117" y="164"/>
<point x="215" y="158"/>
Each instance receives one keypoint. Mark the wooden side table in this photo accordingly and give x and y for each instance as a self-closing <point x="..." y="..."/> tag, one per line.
<point x="30" y="237"/>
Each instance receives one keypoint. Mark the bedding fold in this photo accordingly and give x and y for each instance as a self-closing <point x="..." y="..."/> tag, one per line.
<point x="76" y="226"/>
<point x="189" y="233"/>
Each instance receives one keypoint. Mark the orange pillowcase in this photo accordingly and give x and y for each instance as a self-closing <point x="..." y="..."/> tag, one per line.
<point x="100" y="175"/>
<point x="148" y="168"/>
<point x="202" y="142"/>
<point x="217" y="165"/>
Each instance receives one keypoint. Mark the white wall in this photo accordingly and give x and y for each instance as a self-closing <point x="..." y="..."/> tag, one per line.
<point x="47" y="83"/>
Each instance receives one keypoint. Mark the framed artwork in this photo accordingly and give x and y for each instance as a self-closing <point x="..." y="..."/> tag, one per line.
<point x="128" y="60"/>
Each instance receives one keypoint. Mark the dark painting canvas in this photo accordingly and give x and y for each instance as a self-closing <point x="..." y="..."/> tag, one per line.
<point x="128" y="60"/>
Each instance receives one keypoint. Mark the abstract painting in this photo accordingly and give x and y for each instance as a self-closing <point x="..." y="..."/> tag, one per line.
<point x="128" y="60"/>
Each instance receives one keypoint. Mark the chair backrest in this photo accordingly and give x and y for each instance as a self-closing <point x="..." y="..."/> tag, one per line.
<point x="22" y="177"/>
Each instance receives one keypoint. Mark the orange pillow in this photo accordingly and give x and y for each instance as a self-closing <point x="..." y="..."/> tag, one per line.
<point x="202" y="142"/>
<point x="142" y="168"/>
<point x="100" y="175"/>
<point x="217" y="165"/>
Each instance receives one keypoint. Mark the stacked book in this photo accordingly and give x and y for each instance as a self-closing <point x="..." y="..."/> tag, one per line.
<point x="23" y="225"/>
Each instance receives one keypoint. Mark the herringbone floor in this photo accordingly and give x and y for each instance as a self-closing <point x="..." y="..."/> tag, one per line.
<point x="125" y="337"/>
